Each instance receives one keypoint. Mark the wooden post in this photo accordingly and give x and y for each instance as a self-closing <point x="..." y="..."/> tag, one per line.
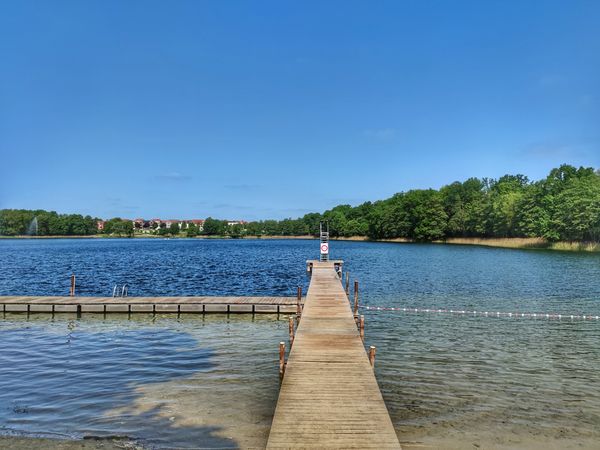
<point x="362" y="327"/>
<point x="299" y="301"/>
<point x="355" y="297"/>
<point x="348" y="284"/>
<point x="372" y="351"/>
<point x="72" y="291"/>
<point x="291" y="326"/>
<point x="281" y="359"/>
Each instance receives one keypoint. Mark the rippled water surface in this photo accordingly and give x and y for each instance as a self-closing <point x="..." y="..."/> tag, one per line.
<point x="449" y="381"/>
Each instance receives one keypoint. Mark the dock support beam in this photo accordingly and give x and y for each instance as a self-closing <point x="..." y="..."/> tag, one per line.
<point x="72" y="290"/>
<point x="355" y="298"/>
<point x="281" y="359"/>
<point x="361" y="327"/>
<point x="291" y="329"/>
<point x="348" y="284"/>
<point x="372" y="351"/>
<point x="299" y="301"/>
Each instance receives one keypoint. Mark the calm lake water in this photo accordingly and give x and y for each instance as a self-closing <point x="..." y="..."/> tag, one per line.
<point x="211" y="381"/>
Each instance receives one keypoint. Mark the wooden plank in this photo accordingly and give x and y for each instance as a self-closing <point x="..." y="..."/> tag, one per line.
<point x="234" y="305"/>
<point x="60" y="300"/>
<point x="329" y="397"/>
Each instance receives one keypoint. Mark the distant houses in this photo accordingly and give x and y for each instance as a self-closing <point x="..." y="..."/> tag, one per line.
<point x="150" y="226"/>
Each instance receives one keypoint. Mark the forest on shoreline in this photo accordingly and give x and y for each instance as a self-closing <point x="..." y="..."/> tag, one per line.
<point x="564" y="206"/>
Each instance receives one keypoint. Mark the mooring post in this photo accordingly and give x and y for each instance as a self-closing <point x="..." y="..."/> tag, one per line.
<point x="355" y="297"/>
<point x="281" y="359"/>
<point x="362" y="327"/>
<point x="299" y="301"/>
<point x="372" y="351"/>
<point x="291" y="326"/>
<point x="347" y="283"/>
<point x="72" y="291"/>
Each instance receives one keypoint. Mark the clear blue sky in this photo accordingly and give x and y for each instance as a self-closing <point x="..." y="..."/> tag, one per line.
<point x="273" y="109"/>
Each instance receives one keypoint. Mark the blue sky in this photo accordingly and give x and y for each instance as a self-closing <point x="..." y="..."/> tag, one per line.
<point x="274" y="109"/>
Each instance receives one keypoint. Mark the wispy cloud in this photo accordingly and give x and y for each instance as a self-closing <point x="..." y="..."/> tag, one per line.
<point x="230" y="206"/>
<point x="558" y="150"/>
<point x="550" y="80"/>
<point x="586" y="100"/>
<point x="346" y="201"/>
<point x="381" y="134"/>
<point x="173" y="176"/>
<point x="242" y="187"/>
<point x="116" y="207"/>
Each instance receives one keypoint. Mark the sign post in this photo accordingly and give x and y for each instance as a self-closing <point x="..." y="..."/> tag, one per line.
<point x="324" y="232"/>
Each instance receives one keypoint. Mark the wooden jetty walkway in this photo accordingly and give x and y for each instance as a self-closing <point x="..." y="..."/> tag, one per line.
<point x="329" y="396"/>
<point x="80" y="304"/>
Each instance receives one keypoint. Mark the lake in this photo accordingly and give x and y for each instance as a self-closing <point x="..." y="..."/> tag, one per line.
<point x="449" y="381"/>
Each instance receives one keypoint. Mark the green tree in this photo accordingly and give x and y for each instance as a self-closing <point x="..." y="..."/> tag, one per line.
<point x="192" y="230"/>
<point x="577" y="213"/>
<point x="174" y="229"/>
<point x="213" y="227"/>
<point x="118" y="227"/>
<point x="236" y="230"/>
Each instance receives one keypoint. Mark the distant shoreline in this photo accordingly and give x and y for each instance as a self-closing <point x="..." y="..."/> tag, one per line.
<point x="514" y="243"/>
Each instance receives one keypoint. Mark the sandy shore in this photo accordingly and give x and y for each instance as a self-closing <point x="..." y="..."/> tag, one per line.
<point x="28" y="443"/>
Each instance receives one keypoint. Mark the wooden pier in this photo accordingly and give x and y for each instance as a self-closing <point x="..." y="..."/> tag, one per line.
<point x="79" y="304"/>
<point x="329" y="396"/>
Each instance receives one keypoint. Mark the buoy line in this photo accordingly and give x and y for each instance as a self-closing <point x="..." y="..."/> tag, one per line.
<point x="484" y="313"/>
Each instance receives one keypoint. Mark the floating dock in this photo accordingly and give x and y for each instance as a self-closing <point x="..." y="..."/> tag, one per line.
<point x="79" y="304"/>
<point x="329" y="396"/>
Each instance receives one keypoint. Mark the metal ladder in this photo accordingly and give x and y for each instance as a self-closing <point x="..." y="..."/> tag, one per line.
<point x="324" y="233"/>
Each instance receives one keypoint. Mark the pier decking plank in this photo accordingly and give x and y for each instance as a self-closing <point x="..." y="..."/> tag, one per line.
<point x="148" y="304"/>
<point x="329" y="397"/>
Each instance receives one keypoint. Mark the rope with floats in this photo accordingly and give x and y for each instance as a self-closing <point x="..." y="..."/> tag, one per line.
<point x="463" y="312"/>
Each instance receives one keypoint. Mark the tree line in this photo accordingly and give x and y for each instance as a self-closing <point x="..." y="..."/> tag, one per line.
<point x="563" y="206"/>
<point x="15" y="222"/>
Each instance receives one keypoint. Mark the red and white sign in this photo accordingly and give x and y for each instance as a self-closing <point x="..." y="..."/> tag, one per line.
<point x="324" y="248"/>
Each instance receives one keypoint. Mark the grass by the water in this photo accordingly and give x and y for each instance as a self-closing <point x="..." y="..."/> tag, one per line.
<point x="511" y="242"/>
<point x="536" y="243"/>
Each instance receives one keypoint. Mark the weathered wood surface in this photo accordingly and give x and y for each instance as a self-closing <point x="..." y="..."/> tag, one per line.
<point x="148" y="304"/>
<point x="329" y="397"/>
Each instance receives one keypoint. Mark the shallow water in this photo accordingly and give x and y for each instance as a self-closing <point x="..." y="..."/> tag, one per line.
<point x="165" y="381"/>
<point x="448" y="381"/>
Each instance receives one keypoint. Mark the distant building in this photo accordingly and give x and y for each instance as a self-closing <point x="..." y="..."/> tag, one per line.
<point x="100" y="225"/>
<point x="199" y="223"/>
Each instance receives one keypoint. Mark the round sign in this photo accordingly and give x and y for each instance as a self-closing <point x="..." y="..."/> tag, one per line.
<point x="324" y="248"/>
